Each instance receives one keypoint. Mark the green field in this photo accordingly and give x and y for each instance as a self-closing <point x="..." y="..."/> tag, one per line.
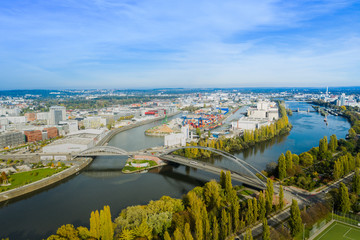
<point x="339" y="231"/>
<point x="23" y="178"/>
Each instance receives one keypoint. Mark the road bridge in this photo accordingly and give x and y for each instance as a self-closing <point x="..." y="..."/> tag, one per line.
<point x="213" y="169"/>
<point x="253" y="177"/>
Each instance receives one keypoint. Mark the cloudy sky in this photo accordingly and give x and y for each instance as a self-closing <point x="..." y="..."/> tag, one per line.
<point x="164" y="43"/>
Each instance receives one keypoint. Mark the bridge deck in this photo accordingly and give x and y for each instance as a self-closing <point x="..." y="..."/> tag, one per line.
<point x="211" y="168"/>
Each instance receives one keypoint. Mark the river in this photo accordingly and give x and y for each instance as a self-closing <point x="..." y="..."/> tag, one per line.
<point x="38" y="215"/>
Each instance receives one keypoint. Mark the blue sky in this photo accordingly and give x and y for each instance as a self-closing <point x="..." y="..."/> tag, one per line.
<point x="162" y="43"/>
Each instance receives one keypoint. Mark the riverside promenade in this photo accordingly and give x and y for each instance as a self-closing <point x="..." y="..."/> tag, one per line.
<point x="43" y="183"/>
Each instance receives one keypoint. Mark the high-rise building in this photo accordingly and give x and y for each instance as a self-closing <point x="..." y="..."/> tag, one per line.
<point x="342" y="99"/>
<point x="57" y="114"/>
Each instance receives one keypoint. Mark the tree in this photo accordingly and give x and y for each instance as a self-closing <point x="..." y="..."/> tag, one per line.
<point x="198" y="132"/>
<point x="344" y="198"/>
<point x="178" y="234"/>
<point x="262" y="206"/>
<point x="356" y="182"/>
<point x="167" y="236"/>
<point x="270" y="189"/>
<point x="222" y="179"/>
<point x="126" y="234"/>
<point x="215" y="229"/>
<point x="289" y="160"/>
<point x="282" y="167"/>
<point x="67" y="232"/>
<point x="228" y="185"/>
<point x="143" y="230"/>
<point x="248" y="235"/>
<point x="281" y="197"/>
<point x="352" y="133"/>
<point x="224" y="224"/>
<point x="106" y="225"/>
<point x="323" y="146"/>
<point x="295" y="221"/>
<point x="266" y="230"/>
<point x="95" y="224"/>
<point x="295" y="158"/>
<point x="306" y="159"/>
<point x="250" y="212"/>
<point x="187" y="232"/>
<point x="333" y="144"/>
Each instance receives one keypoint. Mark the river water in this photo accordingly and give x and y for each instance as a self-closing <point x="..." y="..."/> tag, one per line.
<point x="38" y="215"/>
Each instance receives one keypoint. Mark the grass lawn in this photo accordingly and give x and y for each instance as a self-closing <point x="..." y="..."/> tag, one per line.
<point x="130" y="168"/>
<point x="20" y="179"/>
<point x="339" y="231"/>
<point x="247" y="192"/>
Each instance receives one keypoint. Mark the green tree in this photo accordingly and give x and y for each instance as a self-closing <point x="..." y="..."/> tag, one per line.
<point x="306" y="159"/>
<point x="282" y="167"/>
<point x="250" y="212"/>
<point x="333" y="144"/>
<point x="323" y="146"/>
<point x="106" y="225"/>
<point x="224" y="224"/>
<point x="337" y="173"/>
<point x="248" y="235"/>
<point x="295" y="158"/>
<point x="289" y="160"/>
<point x="352" y="133"/>
<point x="356" y="182"/>
<point x="295" y="221"/>
<point x="178" y="235"/>
<point x="126" y="234"/>
<point x="270" y="189"/>
<point x="266" y="230"/>
<point x="262" y="206"/>
<point x="222" y="179"/>
<point x="281" y="197"/>
<point x="215" y="229"/>
<point x="167" y="236"/>
<point x="187" y="232"/>
<point x="212" y="195"/>
<point x="256" y="209"/>
<point x="228" y="185"/>
<point x="344" y="198"/>
<point x="95" y="224"/>
<point x="143" y="230"/>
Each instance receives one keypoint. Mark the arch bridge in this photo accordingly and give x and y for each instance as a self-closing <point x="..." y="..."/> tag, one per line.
<point x="101" y="151"/>
<point x="253" y="177"/>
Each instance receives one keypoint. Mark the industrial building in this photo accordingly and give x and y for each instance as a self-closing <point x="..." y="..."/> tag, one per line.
<point x="33" y="135"/>
<point x="11" y="139"/>
<point x="75" y="142"/>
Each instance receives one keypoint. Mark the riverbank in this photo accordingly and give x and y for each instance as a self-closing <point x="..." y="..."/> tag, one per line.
<point x="45" y="182"/>
<point x="142" y="163"/>
<point x="114" y="132"/>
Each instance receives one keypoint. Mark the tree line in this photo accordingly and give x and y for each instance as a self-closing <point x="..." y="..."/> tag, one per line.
<point x="211" y="212"/>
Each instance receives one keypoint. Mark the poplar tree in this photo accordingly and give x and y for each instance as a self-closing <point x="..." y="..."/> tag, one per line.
<point x="95" y="224"/>
<point x="106" y="225"/>
<point x="167" y="236"/>
<point x="333" y="144"/>
<point x="281" y="197"/>
<point x="295" y="159"/>
<point x="248" y="235"/>
<point x="282" y="167"/>
<point x="256" y="209"/>
<point x="178" y="235"/>
<point x="356" y="182"/>
<point x="270" y="189"/>
<point x="228" y="185"/>
<point x="295" y="221"/>
<point x="187" y="232"/>
<point x="250" y="212"/>
<point x="266" y="230"/>
<point x="224" y="224"/>
<point x="215" y="229"/>
<point x="337" y="170"/>
<point x="289" y="160"/>
<point x="222" y="179"/>
<point x="344" y="198"/>
<point x="262" y="205"/>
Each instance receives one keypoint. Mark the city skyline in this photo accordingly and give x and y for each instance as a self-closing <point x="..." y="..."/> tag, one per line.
<point x="111" y="44"/>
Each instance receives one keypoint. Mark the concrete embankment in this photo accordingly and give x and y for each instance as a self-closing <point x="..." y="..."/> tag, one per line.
<point x="113" y="132"/>
<point x="45" y="182"/>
